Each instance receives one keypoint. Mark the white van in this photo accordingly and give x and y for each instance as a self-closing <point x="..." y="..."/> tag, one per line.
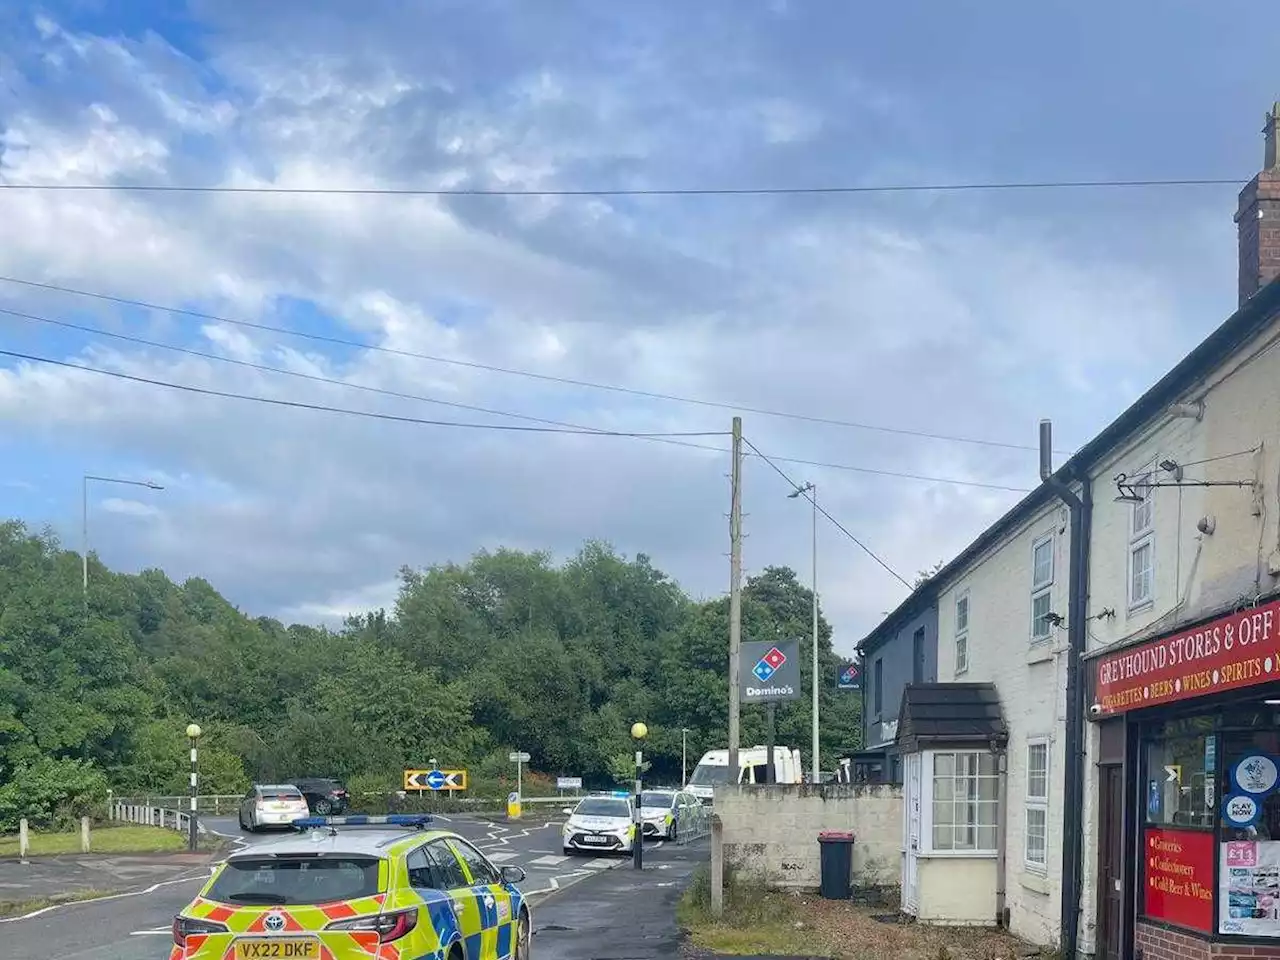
<point x="753" y="763"/>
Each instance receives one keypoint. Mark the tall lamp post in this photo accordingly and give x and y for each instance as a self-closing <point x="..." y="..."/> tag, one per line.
<point x="638" y="732"/>
<point x="684" y="757"/>
<point x="193" y="734"/>
<point x="84" y="522"/>
<point x="812" y="491"/>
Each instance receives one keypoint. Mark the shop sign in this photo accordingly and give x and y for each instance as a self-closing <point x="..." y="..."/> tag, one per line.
<point x="1249" y="888"/>
<point x="1179" y="872"/>
<point x="1240" y="650"/>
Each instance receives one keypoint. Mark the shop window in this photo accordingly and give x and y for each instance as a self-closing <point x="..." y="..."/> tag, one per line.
<point x="1176" y="795"/>
<point x="1249" y="847"/>
<point x="964" y="802"/>
<point x="1037" y="804"/>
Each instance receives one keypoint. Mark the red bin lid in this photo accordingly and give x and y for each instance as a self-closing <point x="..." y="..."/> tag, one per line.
<point x="835" y="836"/>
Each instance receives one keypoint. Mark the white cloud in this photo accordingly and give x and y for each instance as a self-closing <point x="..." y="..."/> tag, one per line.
<point x="911" y="319"/>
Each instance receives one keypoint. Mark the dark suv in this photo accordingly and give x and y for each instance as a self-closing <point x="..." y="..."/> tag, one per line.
<point x="324" y="795"/>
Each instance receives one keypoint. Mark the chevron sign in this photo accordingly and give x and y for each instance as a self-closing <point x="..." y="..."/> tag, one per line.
<point x="435" y="780"/>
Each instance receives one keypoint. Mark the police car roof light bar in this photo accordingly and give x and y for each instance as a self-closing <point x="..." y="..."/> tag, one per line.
<point x="415" y="820"/>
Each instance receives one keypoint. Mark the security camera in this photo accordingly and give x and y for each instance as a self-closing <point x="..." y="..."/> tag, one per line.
<point x="1095" y="709"/>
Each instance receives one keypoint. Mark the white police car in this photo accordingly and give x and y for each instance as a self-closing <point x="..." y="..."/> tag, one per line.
<point x="602" y="824"/>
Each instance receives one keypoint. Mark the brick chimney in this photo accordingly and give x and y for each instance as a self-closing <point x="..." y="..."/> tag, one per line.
<point x="1258" y="218"/>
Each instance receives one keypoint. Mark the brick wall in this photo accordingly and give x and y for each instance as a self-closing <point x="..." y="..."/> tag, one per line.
<point x="1152" y="942"/>
<point x="771" y="832"/>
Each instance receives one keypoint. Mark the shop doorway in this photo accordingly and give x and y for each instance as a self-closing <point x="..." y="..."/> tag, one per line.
<point x="1110" y="861"/>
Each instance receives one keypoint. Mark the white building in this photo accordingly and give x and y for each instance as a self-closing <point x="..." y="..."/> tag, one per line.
<point x="1178" y="673"/>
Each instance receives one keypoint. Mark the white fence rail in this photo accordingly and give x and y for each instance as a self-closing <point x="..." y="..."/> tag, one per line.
<point x="146" y="815"/>
<point x="217" y="804"/>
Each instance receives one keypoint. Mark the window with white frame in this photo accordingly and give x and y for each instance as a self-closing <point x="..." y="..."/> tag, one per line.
<point x="964" y="801"/>
<point x="1037" y="804"/>
<point x="1142" y="546"/>
<point x="1041" y="587"/>
<point x="962" y="633"/>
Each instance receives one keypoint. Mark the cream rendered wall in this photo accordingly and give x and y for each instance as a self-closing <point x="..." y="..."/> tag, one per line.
<point x="957" y="891"/>
<point x="1194" y="574"/>
<point x="1030" y="681"/>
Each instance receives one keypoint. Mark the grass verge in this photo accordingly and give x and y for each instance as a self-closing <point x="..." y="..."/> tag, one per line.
<point x="16" y="908"/>
<point x="759" y="922"/>
<point x="130" y="839"/>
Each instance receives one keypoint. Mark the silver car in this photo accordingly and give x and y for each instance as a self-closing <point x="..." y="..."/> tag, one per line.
<point x="601" y="825"/>
<point x="271" y="805"/>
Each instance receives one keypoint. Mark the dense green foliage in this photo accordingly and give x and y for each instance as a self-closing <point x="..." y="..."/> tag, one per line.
<point x="508" y="651"/>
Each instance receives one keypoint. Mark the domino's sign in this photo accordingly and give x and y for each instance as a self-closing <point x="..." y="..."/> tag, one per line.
<point x="770" y="671"/>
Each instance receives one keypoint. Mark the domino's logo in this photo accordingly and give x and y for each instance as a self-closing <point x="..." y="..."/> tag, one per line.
<point x="769" y="664"/>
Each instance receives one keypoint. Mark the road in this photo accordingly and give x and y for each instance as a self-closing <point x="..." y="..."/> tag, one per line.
<point x="136" y="926"/>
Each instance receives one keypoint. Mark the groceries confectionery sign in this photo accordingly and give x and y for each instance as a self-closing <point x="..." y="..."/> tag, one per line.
<point x="1235" y="651"/>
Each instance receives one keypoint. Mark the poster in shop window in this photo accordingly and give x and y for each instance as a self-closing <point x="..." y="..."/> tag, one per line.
<point x="1179" y="877"/>
<point x="1249" y="888"/>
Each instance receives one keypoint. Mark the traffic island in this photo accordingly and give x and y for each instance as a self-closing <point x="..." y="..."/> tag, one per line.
<point x="758" y="922"/>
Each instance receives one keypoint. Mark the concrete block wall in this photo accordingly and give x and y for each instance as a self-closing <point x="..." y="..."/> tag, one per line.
<point x="771" y="832"/>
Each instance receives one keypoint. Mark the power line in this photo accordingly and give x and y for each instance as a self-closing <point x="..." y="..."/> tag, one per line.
<point x="568" y="427"/>
<point x="315" y="378"/>
<point x="820" y="190"/>
<point x="374" y="415"/>
<point x="808" y="495"/>
<point x="511" y="371"/>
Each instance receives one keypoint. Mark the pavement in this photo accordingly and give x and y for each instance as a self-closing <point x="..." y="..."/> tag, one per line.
<point x="47" y="878"/>
<point x="135" y="924"/>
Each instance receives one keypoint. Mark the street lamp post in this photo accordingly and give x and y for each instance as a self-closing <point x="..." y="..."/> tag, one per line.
<point x="684" y="757"/>
<point x="84" y="523"/>
<point x="812" y="491"/>
<point x="638" y="732"/>
<point x="193" y="734"/>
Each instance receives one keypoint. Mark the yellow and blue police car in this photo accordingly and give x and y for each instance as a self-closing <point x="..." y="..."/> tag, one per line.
<point x="394" y="889"/>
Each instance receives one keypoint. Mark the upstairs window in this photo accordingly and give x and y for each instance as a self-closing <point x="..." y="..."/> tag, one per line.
<point x="962" y="634"/>
<point x="1142" y="541"/>
<point x="1041" y="588"/>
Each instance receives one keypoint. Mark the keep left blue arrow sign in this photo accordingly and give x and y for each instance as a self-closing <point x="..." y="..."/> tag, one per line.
<point x="436" y="779"/>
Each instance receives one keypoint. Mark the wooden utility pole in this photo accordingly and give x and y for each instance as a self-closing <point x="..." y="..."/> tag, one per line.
<point x="735" y="597"/>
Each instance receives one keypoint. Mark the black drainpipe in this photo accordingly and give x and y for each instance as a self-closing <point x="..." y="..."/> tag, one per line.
<point x="1081" y="510"/>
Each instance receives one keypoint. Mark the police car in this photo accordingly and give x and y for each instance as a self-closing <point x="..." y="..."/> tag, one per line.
<point x="601" y="824"/>
<point x="393" y="888"/>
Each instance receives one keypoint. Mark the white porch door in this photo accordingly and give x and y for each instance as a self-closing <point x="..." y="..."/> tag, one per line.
<point x="911" y="836"/>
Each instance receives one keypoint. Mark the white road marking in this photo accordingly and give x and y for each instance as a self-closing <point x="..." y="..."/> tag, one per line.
<point x="501" y="856"/>
<point x="115" y="896"/>
<point x="600" y="864"/>
<point x="157" y="932"/>
<point x="551" y="860"/>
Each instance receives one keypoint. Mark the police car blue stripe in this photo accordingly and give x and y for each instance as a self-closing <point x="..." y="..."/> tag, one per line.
<point x="504" y="940"/>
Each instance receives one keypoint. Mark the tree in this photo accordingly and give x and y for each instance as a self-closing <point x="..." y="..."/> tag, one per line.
<point x="506" y="651"/>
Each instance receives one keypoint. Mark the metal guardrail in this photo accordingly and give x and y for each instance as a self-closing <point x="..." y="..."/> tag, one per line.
<point x="227" y="804"/>
<point x="145" y="815"/>
<point x="217" y="804"/>
<point x="694" y="826"/>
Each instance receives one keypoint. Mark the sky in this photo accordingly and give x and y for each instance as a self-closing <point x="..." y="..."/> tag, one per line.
<point x="964" y="315"/>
